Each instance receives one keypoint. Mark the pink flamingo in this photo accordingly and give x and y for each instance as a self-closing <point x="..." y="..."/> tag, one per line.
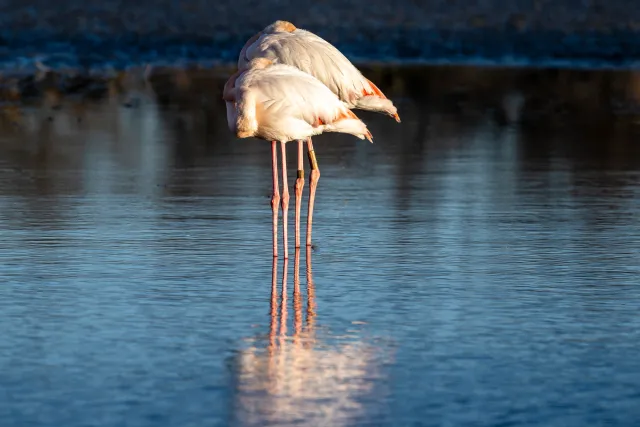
<point x="283" y="43"/>
<point x="278" y="102"/>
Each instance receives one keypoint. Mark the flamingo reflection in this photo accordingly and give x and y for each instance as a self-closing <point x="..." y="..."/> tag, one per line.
<point x="299" y="376"/>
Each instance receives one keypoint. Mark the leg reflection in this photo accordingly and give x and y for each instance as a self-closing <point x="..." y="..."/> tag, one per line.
<point x="311" y="299"/>
<point x="283" y="302"/>
<point x="297" y="303"/>
<point x="274" y="305"/>
<point x="271" y="347"/>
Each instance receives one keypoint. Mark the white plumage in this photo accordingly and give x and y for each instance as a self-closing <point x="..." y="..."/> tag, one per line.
<point x="278" y="102"/>
<point x="283" y="43"/>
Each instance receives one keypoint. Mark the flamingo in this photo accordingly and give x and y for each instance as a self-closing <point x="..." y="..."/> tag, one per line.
<point x="280" y="103"/>
<point x="283" y="43"/>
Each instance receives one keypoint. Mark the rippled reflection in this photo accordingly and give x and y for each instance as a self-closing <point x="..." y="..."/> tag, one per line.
<point x="477" y="265"/>
<point x="298" y="378"/>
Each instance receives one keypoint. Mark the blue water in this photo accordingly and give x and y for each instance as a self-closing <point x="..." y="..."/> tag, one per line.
<point x="464" y="273"/>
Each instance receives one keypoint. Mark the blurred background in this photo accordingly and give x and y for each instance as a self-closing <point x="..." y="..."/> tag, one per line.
<point x="116" y="33"/>
<point x="477" y="265"/>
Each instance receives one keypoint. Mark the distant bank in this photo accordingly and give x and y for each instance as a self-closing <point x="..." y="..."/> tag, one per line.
<point x="102" y="34"/>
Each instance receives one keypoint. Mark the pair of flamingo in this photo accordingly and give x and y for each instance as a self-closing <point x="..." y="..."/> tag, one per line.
<point x="291" y="85"/>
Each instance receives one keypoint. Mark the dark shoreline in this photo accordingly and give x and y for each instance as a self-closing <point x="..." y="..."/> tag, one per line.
<point x="91" y="53"/>
<point x="538" y="95"/>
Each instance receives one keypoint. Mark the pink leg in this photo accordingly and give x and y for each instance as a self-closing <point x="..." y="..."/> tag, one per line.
<point x="275" y="198"/>
<point x="299" y="187"/>
<point x="314" y="176"/>
<point x="285" y="199"/>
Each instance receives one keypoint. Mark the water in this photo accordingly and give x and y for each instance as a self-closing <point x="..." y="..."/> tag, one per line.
<point x="476" y="266"/>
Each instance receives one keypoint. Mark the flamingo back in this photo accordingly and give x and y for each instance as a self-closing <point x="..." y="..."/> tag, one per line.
<point x="280" y="102"/>
<point x="313" y="55"/>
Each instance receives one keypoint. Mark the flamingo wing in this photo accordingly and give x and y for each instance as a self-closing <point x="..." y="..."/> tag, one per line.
<point x="314" y="55"/>
<point x="282" y="103"/>
<point x="285" y="91"/>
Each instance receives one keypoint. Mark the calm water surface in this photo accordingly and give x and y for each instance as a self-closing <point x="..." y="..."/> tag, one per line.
<point x="468" y="270"/>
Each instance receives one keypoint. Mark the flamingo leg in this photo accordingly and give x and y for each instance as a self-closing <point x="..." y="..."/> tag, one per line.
<point x="285" y="199"/>
<point x="314" y="176"/>
<point x="299" y="186"/>
<point x="275" y="198"/>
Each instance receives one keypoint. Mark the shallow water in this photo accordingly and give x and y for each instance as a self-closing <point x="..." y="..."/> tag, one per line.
<point x="478" y="264"/>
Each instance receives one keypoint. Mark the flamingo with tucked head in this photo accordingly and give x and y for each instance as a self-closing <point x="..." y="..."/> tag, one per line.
<point x="280" y="103"/>
<point x="283" y="43"/>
